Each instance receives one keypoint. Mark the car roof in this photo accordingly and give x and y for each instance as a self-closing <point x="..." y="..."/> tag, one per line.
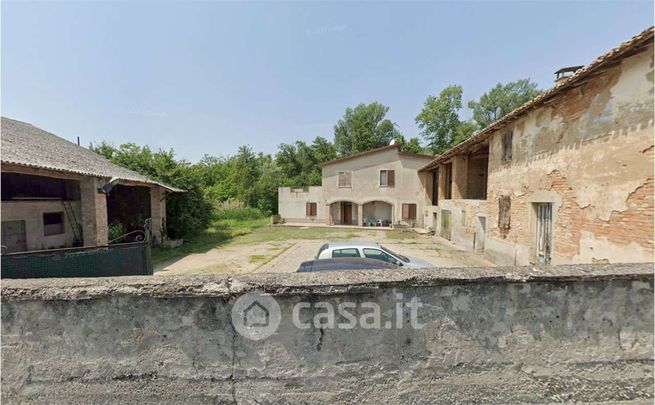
<point x="344" y="263"/>
<point x="339" y="245"/>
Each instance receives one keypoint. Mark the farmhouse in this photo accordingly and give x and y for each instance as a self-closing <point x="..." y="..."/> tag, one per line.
<point x="56" y="194"/>
<point x="565" y="178"/>
<point x="379" y="187"/>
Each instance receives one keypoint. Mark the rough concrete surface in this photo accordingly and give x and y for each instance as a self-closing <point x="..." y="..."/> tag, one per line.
<point x="531" y="334"/>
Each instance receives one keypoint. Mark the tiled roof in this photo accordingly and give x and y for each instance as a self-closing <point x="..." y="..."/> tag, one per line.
<point x="624" y="50"/>
<point x="372" y="151"/>
<point x="26" y="145"/>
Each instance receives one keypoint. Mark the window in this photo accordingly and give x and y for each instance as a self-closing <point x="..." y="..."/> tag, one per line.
<point x="380" y="255"/>
<point x="504" y="205"/>
<point x="53" y="223"/>
<point x="448" y="181"/>
<point x="409" y="211"/>
<point x="351" y="252"/>
<point x="435" y="187"/>
<point x="345" y="179"/>
<point x="310" y="209"/>
<point x="507" y="146"/>
<point x="387" y="178"/>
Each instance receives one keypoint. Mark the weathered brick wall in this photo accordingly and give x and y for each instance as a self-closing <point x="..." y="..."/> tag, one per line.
<point x="590" y="154"/>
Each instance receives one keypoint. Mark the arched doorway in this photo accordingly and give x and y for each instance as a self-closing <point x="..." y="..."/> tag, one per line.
<point x="377" y="213"/>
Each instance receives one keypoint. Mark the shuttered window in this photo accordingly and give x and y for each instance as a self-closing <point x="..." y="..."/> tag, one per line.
<point x="507" y="146"/>
<point x="504" y="206"/>
<point x="345" y="179"/>
<point x="409" y="211"/>
<point x="387" y="178"/>
<point x="310" y="209"/>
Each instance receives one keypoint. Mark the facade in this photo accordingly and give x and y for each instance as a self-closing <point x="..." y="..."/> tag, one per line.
<point x="380" y="187"/>
<point x="565" y="178"/>
<point x="56" y="194"/>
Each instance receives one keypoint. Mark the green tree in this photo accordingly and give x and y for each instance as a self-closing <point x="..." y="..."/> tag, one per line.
<point x="363" y="128"/>
<point x="298" y="163"/>
<point x="501" y="100"/>
<point x="439" y="120"/>
<point x="186" y="213"/>
<point x="411" y="146"/>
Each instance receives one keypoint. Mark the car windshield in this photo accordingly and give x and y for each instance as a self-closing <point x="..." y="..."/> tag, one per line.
<point x="401" y="257"/>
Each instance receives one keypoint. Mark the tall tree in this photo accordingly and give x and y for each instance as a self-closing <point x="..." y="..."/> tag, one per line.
<point x="501" y="100"/>
<point x="363" y="128"/>
<point x="439" y="120"/>
<point x="413" y="145"/>
<point x="298" y="163"/>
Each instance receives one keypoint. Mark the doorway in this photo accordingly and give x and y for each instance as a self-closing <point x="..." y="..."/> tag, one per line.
<point x="13" y="236"/>
<point x="446" y="224"/>
<point x="543" y="242"/>
<point x="480" y="235"/>
<point x="346" y="213"/>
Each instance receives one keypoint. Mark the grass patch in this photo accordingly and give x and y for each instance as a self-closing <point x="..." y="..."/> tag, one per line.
<point x="401" y="234"/>
<point x="259" y="258"/>
<point x="283" y="233"/>
<point x="219" y="233"/>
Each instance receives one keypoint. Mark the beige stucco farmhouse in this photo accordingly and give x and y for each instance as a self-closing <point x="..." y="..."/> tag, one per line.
<point x="379" y="187"/>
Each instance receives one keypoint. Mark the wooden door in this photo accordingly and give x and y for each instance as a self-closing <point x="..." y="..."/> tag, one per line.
<point x="347" y="214"/>
<point x="544" y="232"/>
<point x="446" y="224"/>
<point x="13" y="236"/>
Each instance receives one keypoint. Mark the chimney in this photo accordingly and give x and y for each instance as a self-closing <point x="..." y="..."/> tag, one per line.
<point x="566" y="72"/>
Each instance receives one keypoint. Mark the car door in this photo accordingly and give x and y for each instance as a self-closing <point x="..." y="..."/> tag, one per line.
<point x="377" y="254"/>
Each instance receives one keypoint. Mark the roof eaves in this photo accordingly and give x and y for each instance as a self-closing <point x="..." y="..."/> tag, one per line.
<point x="360" y="154"/>
<point x="633" y="43"/>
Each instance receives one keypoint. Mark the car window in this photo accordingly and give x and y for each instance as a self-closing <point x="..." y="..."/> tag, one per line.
<point x="379" y="255"/>
<point x="351" y="252"/>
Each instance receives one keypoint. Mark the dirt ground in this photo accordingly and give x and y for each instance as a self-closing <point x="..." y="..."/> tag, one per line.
<point x="282" y="249"/>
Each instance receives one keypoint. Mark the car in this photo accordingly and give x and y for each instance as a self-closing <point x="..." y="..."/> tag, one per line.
<point x="368" y="250"/>
<point x="344" y="263"/>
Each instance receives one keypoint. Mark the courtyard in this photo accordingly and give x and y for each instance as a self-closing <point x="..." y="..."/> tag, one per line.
<point x="280" y="249"/>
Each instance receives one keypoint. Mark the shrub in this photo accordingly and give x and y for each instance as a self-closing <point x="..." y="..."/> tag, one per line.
<point x="241" y="214"/>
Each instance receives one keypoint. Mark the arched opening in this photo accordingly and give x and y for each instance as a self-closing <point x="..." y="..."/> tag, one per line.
<point x="343" y="213"/>
<point x="377" y="213"/>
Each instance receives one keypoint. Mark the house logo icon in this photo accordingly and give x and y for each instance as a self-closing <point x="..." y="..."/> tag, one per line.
<point x="256" y="315"/>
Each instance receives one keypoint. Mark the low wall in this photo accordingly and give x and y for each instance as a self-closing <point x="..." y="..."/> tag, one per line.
<point x="531" y="334"/>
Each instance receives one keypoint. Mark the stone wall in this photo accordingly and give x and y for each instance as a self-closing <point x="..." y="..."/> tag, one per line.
<point x="94" y="212"/>
<point x="533" y="334"/>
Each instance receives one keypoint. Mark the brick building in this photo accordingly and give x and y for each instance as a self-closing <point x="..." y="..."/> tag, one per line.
<point x="56" y="194"/>
<point x="565" y="178"/>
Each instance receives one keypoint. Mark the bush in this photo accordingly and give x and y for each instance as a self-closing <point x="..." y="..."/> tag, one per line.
<point x="241" y="214"/>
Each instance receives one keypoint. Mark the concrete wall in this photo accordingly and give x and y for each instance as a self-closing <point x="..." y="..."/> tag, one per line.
<point x="292" y="201"/>
<point x="590" y="154"/>
<point x="32" y="213"/>
<point x="366" y="187"/>
<point x="94" y="212"/>
<point x="502" y="335"/>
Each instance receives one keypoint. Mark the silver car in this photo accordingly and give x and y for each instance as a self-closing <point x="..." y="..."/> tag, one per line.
<point x="368" y="250"/>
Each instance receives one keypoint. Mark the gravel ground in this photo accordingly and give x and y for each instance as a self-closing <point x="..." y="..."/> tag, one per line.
<point x="285" y="256"/>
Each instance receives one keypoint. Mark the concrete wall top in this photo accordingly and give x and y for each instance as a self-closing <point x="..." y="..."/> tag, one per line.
<point x="283" y="284"/>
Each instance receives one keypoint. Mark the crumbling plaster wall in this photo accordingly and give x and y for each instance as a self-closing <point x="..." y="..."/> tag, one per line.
<point x="488" y="335"/>
<point x="590" y="153"/>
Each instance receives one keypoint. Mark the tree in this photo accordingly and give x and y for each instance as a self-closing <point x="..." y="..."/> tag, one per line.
<point x="186" y="213"/>
<point x="439" y="120"/>
<point x="298" y="163"/>
<point x="411" y="146"/>
<point x="501" y="100"/>
<point x="363" y="128"/>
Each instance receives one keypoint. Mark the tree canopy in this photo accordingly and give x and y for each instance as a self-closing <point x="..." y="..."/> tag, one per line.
<point x="501" y="100"/>
<point x="439" y="120"/>
<point x="363" y="128"/>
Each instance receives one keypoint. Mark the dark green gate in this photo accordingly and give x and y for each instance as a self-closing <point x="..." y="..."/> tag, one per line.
<point x="122" y="259"/>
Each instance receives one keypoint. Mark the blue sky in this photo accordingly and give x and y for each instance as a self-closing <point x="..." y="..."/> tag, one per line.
<point x="206" y="77"/>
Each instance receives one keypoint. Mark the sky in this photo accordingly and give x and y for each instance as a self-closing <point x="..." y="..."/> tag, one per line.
<point x="206" y="77"/>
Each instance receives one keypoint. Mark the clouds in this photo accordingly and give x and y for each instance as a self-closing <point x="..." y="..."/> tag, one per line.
<point x="324" y="30"/>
